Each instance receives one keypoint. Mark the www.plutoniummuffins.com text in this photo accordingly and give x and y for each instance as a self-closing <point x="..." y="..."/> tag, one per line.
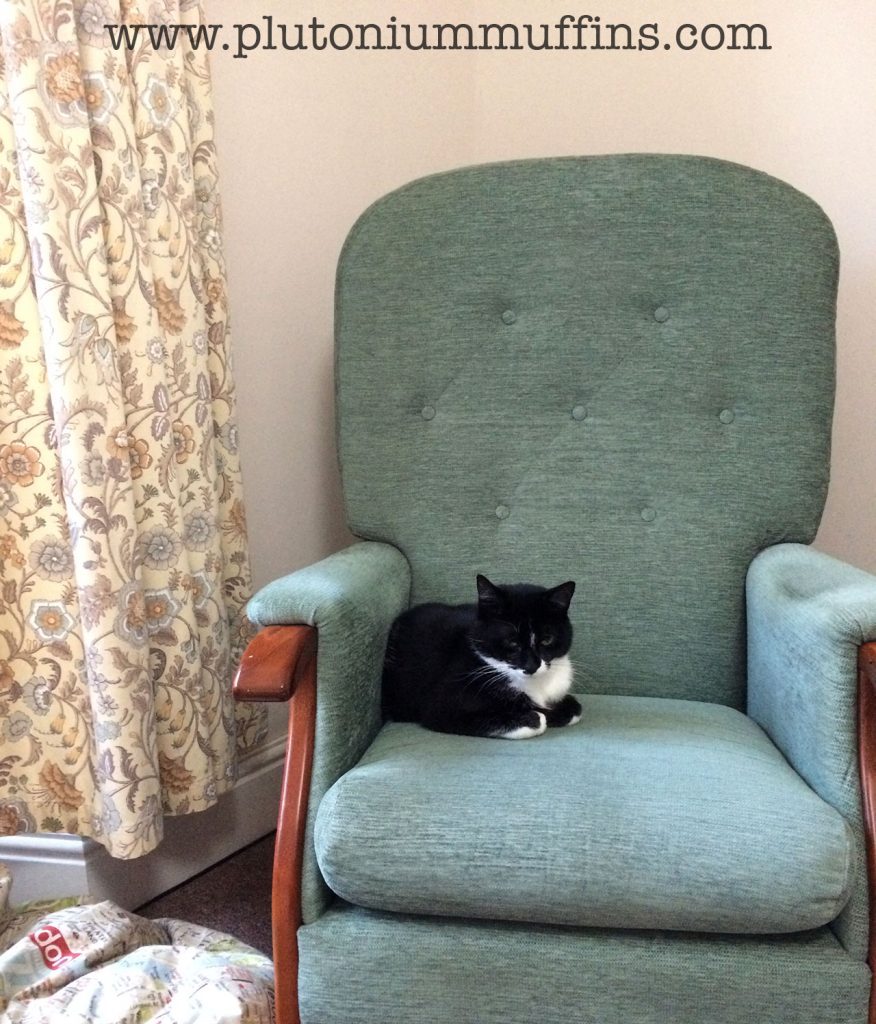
<point x="569" y="32"/>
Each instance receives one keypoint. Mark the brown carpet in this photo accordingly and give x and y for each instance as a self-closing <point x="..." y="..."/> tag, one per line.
<point x="233" y="896"/>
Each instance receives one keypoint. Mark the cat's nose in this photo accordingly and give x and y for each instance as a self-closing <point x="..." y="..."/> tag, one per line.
<point x="531" y="665"/>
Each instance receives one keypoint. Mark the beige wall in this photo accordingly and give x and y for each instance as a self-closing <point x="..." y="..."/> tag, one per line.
<point x="307" y="141"/>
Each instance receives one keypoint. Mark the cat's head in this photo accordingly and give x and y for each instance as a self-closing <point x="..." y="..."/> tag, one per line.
<point x="522" y="625"/>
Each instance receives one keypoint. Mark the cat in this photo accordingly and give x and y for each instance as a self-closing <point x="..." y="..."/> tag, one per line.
<point x="497" y="668"/>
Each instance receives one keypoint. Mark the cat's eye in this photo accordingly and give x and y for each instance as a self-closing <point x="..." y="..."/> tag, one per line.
<point x="512" y="645"/>
<point x="547" y="639"/>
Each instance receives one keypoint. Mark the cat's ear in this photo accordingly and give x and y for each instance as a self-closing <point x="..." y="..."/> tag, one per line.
<point x="489" y="595"/>
<point x="561" y="596"/>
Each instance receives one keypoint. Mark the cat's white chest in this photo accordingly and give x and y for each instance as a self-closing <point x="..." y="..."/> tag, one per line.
<point x="545" y="686"/>
<point x="550" y="683"/>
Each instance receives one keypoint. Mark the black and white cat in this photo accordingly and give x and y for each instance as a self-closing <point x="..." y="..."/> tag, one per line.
<point x="496" y="668"/>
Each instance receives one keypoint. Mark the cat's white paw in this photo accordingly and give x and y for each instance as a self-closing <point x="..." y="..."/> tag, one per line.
<point x="574" y="720"/>
<point x="525" y="732"/>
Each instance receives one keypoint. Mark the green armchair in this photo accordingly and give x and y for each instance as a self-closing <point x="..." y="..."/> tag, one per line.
<point x="616" y="369"/>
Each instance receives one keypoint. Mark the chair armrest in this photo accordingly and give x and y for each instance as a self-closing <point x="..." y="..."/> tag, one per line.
<point x="365" y="584"/>
<point x="350" y="599"/>
<point x="343" y="606"/>
<point x="367" y="580"/>
<point x="808" y="615"/>
<point x="274" y="662"/>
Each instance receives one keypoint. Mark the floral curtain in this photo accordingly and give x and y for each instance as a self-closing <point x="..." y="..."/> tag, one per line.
<point x="123" y="566"/>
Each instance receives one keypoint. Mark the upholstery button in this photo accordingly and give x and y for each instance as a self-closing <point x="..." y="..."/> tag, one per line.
<point x="579" y="412"/>
<point x="726" y="416"/>
<point x="428" y="412"/>
<point x="661" y="314"/>
<point x="502" y="511"/>
<point x="509" y="317"/>
<point x="649" y="515"/>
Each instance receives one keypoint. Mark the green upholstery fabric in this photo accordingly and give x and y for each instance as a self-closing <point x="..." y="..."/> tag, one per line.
<point x="352" y="597"/>
<point x="652" y="813"/>
<point x="612" y="369"/>
<point x="807" y="615"/>
<point x="617" y="370"/>
<point x="359" y="967"/>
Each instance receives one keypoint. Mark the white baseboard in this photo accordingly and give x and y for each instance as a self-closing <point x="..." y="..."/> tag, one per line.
<point x="44" y="866"/>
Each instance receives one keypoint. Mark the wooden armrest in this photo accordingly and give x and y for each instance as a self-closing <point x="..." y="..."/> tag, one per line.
<point x="279" y="663"/>
<point x="867" y="660"/>
<point x="867" y="764"/>
<point x="274" y="662"/>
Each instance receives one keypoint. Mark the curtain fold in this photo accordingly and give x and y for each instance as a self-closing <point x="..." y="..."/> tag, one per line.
<point x="123" y="563"/>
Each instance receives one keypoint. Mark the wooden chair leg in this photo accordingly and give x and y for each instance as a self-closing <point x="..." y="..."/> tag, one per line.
<point x="289" y="846"/>
<point x="279" y="664"/>
<point x="867" y="755"/>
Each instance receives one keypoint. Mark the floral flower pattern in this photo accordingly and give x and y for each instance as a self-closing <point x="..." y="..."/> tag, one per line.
<point x="20" y="463"/>
<point x="198" y="531"/>
<point x="139" y="456"/>
<point x="158" y="102"/>
<point x="12" y="330"/>
<point x="161" y="608"/>
<point x="50" y="620"/>
<point x="99" y="98"/>
<point x="171" y="315"/>
<point x="61" y="86"/>
<point x="123" y="563"/>
<point x="201" y="590"/>
<point x="91" y="16"/>
<point x="51" y="559"/>
<point x="159" y="548"/>
<point x="150" y="193"/>
<point x="15" y="818"/>
<point x="130" y="624"/>
<point x="36" y="694"/>
<point x="183" y="441"/>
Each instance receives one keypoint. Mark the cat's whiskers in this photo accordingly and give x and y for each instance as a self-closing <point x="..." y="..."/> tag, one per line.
<point x="486" y="675"/>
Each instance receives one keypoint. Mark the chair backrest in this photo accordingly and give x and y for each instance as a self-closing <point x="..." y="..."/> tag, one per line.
<point x="614" y="369"/>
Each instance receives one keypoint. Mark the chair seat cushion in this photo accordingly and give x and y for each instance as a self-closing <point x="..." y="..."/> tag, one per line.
<point x="650" y="813"/>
